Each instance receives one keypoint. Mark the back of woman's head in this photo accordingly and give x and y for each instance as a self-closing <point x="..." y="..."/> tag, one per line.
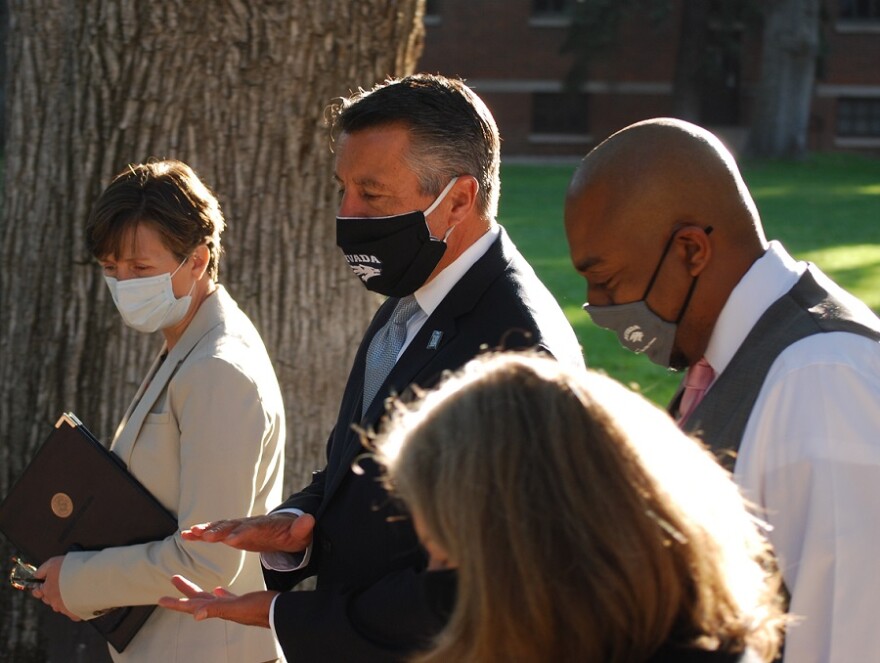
<point x="169" y="197"/>
<point x="582" y="522"/>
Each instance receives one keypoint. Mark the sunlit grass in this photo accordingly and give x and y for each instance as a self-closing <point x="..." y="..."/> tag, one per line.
<point x="855" y="267"/>
<point x="766" y="192"/>
<point x="825" y="210"/>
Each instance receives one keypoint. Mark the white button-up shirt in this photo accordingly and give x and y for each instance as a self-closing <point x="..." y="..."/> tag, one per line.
<point x="810" y="461"/>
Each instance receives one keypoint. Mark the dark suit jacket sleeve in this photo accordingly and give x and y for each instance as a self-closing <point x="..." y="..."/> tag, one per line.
<point x="307" y="500"/>
<point x="385" y="622"/>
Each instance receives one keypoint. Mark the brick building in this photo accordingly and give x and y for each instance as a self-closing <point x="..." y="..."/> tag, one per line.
<point x="510" y="52"/>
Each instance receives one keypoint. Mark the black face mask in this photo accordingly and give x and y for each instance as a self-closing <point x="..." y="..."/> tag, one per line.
<point x="392" y="255"/>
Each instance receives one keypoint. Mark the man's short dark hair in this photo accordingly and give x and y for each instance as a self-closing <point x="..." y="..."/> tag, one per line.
<point x="452" y="131"/>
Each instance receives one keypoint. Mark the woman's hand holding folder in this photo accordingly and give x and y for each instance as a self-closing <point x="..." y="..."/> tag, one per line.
<point x="50" y="592"/>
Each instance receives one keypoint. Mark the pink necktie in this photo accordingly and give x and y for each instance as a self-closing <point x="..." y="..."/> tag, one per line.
<point x="696" y="382"/>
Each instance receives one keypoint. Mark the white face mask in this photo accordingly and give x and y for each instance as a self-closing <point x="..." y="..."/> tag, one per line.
<point x="148" y="304"/>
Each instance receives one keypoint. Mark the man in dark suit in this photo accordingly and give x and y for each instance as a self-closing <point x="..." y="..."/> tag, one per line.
<point x="456" y="285"/>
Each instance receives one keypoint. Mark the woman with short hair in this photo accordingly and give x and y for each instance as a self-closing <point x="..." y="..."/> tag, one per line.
<point x="205" y="432"/>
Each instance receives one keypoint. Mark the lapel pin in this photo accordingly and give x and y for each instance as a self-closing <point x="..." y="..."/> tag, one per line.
<point x="434" y="341"/>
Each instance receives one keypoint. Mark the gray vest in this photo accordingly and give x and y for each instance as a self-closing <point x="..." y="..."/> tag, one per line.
<point x="814" y="305"/>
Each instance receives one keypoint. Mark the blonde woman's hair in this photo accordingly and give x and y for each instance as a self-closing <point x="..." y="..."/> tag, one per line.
<point x="585" y="526"/>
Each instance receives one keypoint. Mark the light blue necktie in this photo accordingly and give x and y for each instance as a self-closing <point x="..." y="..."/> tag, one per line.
<point x="384" y="348"/>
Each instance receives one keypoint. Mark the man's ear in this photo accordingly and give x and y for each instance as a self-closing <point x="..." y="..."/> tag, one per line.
<point x="694" y="246"/>
<point x="463" y="198"/>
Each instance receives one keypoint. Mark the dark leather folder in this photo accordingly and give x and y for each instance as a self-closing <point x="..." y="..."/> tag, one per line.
<point x="77" y="495"/>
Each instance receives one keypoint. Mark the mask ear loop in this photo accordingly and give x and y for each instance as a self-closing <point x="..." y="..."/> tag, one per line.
<point x="707" y="230"/>
<point x="659" y="264"/>
<point x="439" y="199"/>
<point x="687" y="300"/>
<point x="179" y="266"/>
<point x="436" y="202"/>
<point x="193" y="286"/>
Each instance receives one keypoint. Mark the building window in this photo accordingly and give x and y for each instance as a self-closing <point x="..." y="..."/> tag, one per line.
<point x="858" y="117"/>
<point x="551" y="7"/>
<point x="859" y="10"/>
<point x="562" y="113"/>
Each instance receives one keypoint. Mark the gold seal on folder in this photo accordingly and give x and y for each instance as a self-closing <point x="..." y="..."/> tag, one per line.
<point x="62" y="505"/>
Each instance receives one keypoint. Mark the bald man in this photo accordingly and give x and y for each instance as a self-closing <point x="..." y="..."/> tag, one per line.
<point x="783" y="375"/>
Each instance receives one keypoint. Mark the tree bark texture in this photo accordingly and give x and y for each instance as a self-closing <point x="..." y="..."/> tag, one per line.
<point x="788" y="67"/>
<point x="688" y="79"/>
<point x="235" y="88"/>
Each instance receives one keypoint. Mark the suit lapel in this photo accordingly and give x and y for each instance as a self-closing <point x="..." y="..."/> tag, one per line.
<point x="352" y="402"/>
<point x="209" y="315"/>
<point x="419" y="354"/>
<point x="441" y="327"/>
<point x="425" y="353"/>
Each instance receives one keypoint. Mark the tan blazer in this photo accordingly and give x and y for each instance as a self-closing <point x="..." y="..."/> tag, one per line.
<point x="205" y="434"/>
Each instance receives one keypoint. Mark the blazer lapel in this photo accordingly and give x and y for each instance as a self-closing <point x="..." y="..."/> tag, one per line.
<point x="140" y="407"/>
<point x="209" y="315"/>
<point x="157" y="363"/>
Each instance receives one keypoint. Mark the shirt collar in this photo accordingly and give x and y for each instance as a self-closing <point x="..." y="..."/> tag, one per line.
<point x="432" y="293"/>
<point x="770" y="277"/>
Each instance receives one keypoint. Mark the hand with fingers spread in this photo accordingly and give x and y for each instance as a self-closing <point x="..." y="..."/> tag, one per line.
<point x="49" y="592"/>
<point x="276" y="532"/>
<point x="250" y="609"/>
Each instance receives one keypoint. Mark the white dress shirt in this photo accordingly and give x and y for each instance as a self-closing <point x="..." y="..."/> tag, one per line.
<point x="810" y="462"/>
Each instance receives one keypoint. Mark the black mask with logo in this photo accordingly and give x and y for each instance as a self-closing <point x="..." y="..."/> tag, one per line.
<point x="392" y="255"/>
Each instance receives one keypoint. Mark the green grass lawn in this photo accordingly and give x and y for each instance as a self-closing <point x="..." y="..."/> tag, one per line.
<point x="826" y="210"/>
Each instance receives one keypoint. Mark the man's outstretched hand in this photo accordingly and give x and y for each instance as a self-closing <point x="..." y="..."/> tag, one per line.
<point x="249" y="609"/>
<point x="277" y="532"/>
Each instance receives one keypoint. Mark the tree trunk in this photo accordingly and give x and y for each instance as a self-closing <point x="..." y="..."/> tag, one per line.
<point x="237" y="90"/>
<point x="788" y="65"/>
<point x="689" y="60"/>
<point x="4" y="21"/>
